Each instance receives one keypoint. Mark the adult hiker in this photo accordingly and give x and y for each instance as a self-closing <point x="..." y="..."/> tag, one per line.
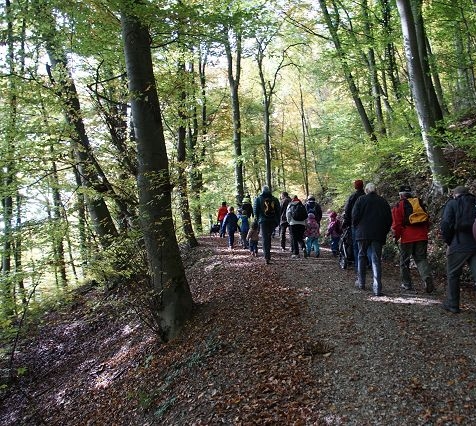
<point x="222" y="212"/>
<point x="267" y="212"/>
<point x="372" y="219"/>
<point x="410" y="228"/>
<point x="456" y="228"/>
<point x="284" y="199"/>
<point x="349" y="205"/>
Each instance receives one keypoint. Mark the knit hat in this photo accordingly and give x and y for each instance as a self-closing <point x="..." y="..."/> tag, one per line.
<point x="405" y="189"/>
<point x="358" y="184"/>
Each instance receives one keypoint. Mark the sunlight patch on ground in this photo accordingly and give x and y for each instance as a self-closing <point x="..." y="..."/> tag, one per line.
<point x="412" y="300"/>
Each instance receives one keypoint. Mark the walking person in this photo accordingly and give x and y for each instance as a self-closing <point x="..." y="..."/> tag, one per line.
<point x="334" y="231"/>
<point x="349" y="205"/>
<point x="296" y="217"/>
<point x="222" y="212"/>
<point x="246" y="206"/>
<point x="230" y="223"/>
<point x="456" y="229"/>
<point x="412" y="237"/>
<point x="312" y="234"/>
<point x="244" y="227"/>
<point x="267" y="212"/>
<point x="312" y="206"/>
<point x="253" y="238"/>
<point x="372" y="219"/>
<point x="284" y="199"/>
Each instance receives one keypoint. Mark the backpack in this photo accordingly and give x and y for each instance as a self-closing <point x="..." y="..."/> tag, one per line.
<point x="243" y="223"/>
<point x="414" y="212"/>
<point x="269" y="206"/>
<point x="465" y="213"/>
<point x="298" y="211"/>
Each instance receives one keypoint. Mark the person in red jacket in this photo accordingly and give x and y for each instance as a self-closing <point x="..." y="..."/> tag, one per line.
<point x="413" y="243"/>
<point x="222" y="212"/>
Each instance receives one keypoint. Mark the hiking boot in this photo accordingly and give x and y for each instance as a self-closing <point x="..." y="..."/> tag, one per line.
<point x="407" y="287"/>
<point x="429" y="284"/>
<point x="268" y="261"/>
<point x="450" y="308"/>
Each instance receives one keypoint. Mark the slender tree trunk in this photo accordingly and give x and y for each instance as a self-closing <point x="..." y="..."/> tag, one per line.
<point x="85" y="161"/>
<point x="304" y="142"/>
<point x="182" y="164"/>
<point x="234" y="75"/>
<point x="368" y="127"/>
<point x="426" y="118"/>
<point x="166" y="269"/>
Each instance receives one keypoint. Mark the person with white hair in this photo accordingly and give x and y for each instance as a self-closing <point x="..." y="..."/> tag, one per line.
<point x="372" y="219"/>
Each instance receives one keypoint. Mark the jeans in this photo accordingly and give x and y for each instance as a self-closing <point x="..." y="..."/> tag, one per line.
<point x="312" y="243"/>
<point x="418" y="250"/>
<point x="267" y="229"/>
<point x="253" y="246"/>
<point x="244" y="241"/>
<point x="454" y="267"/>
<point x="297" y="238"/>
<point x="372" y="249"/>
<point x="335" y="245"/>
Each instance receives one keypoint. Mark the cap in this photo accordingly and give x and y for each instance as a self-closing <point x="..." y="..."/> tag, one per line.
<point x="405" y="189"/>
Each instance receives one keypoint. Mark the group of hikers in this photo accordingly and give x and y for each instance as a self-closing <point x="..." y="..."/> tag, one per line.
<point x="370" y="219"/>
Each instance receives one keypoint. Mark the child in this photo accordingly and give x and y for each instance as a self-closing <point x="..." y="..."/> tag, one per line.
<point x="230" y="225"/>
<point x="312" y="233"/>
<point x="244" y="227"/>
<point x="253" y="238"/>
<point x="334" y="230"/>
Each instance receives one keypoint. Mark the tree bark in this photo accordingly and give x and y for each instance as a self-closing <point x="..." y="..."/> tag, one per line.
<point x="166" y="269"/>
<point x="418" y="84"/>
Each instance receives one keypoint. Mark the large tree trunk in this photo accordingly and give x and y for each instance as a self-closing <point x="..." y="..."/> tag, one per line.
<point x="166" y="269"/>
<point x="418" y="84"/>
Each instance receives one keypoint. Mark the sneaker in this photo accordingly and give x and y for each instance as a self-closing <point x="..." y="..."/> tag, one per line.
<point x="268" y="261"/>
<point x="283" y="249"/>
<point x="379" y="294"/>
<point x="294" y="256"/>
<point x="450" y="308"/>
<point x="407" y="287"/>
<point x="429" y="287"/>
<point x="306" y="254"/>
<point x="318" y="254"/>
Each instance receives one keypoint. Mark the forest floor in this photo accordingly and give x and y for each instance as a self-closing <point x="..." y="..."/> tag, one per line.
<point x="293" y="342"/>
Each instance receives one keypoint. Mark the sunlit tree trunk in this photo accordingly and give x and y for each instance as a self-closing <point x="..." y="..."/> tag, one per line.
<point x="425" y="112"/>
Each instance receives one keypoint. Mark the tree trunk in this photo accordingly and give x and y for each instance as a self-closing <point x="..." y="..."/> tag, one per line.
<point x="426" y="119"/>
<point x="166" y="269"/>
<point x="234" y="82"/>
<point x="182" y="164"/>
<point x="348" y="74"/>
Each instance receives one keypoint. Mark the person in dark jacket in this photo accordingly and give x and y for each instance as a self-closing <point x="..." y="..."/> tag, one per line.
<point x="372" y="219"/>
<point x="312" y="206"/>
<point x="246" y="206"/>
<point x="349" y="205"/>
<point x="285" y="199"/>
<point x="268" y="220"/>
<point x="461" y="248"/>
<point x="230" y="224"/>
<point x="413" y="243"/>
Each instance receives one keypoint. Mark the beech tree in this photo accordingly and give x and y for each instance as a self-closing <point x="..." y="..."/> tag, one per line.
<point x="166" y="272"/>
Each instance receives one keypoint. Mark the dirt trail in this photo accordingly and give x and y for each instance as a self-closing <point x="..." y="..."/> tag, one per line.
<point x="293" y="342"/>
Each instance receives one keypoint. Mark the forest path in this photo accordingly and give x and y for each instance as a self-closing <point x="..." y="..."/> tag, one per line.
<point x="293" y="342"/>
